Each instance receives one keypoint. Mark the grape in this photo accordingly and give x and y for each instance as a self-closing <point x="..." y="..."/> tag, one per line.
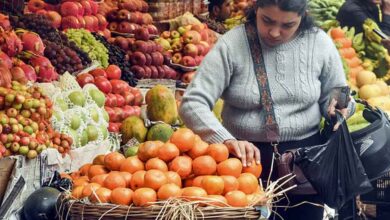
<point x="63" y="58"/>
<point x="118" y="57"/>
<point x="86" y="41"/>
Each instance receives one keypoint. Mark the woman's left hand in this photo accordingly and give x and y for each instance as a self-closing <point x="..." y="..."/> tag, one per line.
<point x="332" y="112"/>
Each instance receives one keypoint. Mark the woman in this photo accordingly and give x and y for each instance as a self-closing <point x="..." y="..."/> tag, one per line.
<point x="302" y="65"/>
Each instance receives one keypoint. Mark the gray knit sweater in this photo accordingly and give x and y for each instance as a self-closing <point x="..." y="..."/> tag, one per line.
<point x="301" y="74"/>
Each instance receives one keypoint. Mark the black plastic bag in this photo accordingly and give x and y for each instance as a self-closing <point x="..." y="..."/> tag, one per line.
<point x="372" y="143"/>
<point x="334" y="168"/>
<point x="62" y="184"/>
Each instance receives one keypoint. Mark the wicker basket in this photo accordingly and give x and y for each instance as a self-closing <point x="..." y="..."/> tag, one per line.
<point x="71" y="209"/>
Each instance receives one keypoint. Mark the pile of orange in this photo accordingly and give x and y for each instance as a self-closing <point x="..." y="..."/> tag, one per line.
<point x="185" y="167"/>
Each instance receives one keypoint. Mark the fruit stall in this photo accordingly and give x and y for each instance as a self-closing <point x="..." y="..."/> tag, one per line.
<point x="89" y="98"/>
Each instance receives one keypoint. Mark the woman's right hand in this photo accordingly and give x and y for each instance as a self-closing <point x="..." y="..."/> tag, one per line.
<point x="246" y="151"/>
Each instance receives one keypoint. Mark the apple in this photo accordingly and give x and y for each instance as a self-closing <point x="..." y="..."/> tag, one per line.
<point x="98" y="72"/>
<point x="81" y="22"/>
<point x="205" y="35"/>
<point x="142" y="34"/>
<point x="128" y="111"/>
<point x="138" y="58"/>
<point x="149" y="59"/>
<point x="112" y="15"/>
<point x="177" y="46"/>
<point x="87" y="7"/>
<point x="151" y="46"/>
<point x="35" y="5"/>
<point x="84" y="79"/>
<point x="89" y="22"/>
<point x="120" y="100"/>
<point x="176" y="58"/>
<point x="95" y="23"/>
<point x="55" y="18"/>
<point x="126" y="27"/>
<point x="167" y="56"/>
<point x="188" y="61"/>
<point x="158" y="59"/>
<point x="128" y="5"/>
<point x="164" y="43"/>
<point x="128" y="96"/>
<point x="52" y="7"/>
<point x="113" y="127"/>
<point x="175" y="34"/>
<point x="138" y="17"/>
<point x="141" y="46"/>
<point x="69" y="9"/>
<point x="122" y="43"/>
<point x="119" y="114"/>
<point x="198" y="60"/>
<point x="144" y="6"/>
<point x="152" y="29"/>
<point x="190" y="50"/>
<point x="169" y="72"/>
<point x="41" y="12"/>
<point x="147" y="18"/>
<point x="206" y="47"/>
<point x="161" y="72"/>
<point x="103" y="84"/>
<point x="148" y="71"/>
<point x="94" y="7"/>
<point x="102" y="22"/>
<point x="113" y="26"/>
<point x="113" y="72"/>
<point x="166" y="34"/>
<point x="138" y="71"/>
<point x="191" y="37"/>
<point x="124" y="15"/>
<point x="198" y="27"/>
<point x="154" y="71"/>
<point x="119" y="86"/>
<point x="70" y="22"/>
<point x="105" y="33"/>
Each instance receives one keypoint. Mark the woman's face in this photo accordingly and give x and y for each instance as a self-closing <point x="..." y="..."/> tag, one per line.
<point x="276" y="26"/>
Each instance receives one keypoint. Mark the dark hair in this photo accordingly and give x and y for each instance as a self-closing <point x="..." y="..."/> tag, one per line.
<point x="298" y="6"/>
<point x="213" y="3"/>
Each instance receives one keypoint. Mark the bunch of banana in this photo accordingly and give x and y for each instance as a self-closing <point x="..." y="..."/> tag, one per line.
<point x="349" y="32"/>
<point x="328" y="24"/>
<point x="358" y="42"/>
<point x="234" y="21"/>
<point x="368" y="27"/>
<point x="323" y="10"/>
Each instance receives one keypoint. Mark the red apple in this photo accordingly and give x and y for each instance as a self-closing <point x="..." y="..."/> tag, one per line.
<point x="55" y="18"/>
<point x="113" y="72"/>
<point x="124" y="15"/>
<point x="94" y="7"/>
<point x="141" y="46"/>
<point x="70" y="22"/>
<point x="128" y="111"/>
<point x="176" y="58"/>
<point x="35" y="5"/>
<point x="113" y="127"/>
<point x="41" y="12"/>
<point x="125" y="27"/>
<point x="52" y="7"/>
<point x="128" y="5"/>
<point x="191" y="50"/>
<point x="69" y="9"/>
<point x="102" y="22"/>
<point x="84" y="79"/>
<point x="4" y="22"/>
<point x="188" y="61"/>
<point x="169" y="72"/>
<point x="144" y="7"/>
<point x="119" y="86"/>
<point x="82" y="22"/>
<point x="148" y="72"/>
<point x="187" y="77"/>
<point x="161" y="72"/>
<point x="112" y="15"/>
<point x="122" y="43"/>
<point x="103" y="84"/>
<point x="198" y="60"/>
<point x="98" y="72"/>
<point x="138" y="71"/>
<point x="81" y="9"/>
<point x="147" y="18"/>
<point x="152" y="29"/>
<point x="95" y="23"/>
<point x="87" y="7"/>
<point x="138" y="58"/>
<point x="154" y="72"/>
<point x="113" y="26"/>
<point x="129" y="97"/>
<point x="167" y="56"/>
<point x="120" y="100"/>
<point x="141" y="34"/>
<point x="206" y="47"/>
<point x="191" y="37"/>
<point x="158" y="59"/>
<point x="149" y="59"/>
<point x="89" y="23"/>
<point x="119" y="114"/>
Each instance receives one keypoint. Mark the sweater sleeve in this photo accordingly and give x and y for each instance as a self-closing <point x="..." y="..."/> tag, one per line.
<point x="211" y="79"/>
<point x="332" y="75"/>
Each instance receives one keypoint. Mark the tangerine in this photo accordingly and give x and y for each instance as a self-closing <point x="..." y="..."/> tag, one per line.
<point x="114" y="160"/>
<point x="183" y="138"/>
<point x="77" y="192"/>
<point x="154" y="179"/>
<point x="168" y="152"/>
<point x="168" y="190"/>
<point x="114" y="180"/>
<point x="88" y="189"/>
<point x="157" y="164"/>
<point x="84" y="169"/>
<point x="79" y="182"/>
<point x="231" y="167"/>
<point x="193" y="193"/>
<point x="199" y="149"/>
<point x="149" y="149"/>
<point x="95" y="170"/>
<point x="122" y="196"/>
<point x="99" y="179"/>
<point x="213" y="185"/>
<point x="132" y="165"/>
<point x="173" y="177"/>
<point x="137" y="180"/>
<point x="236" y="198"/>
<point x="254" y="169"/>
<point x="181" y="165"/>
<point x="230" y="183"/>
<point x="98" y="160"/>
<point x="143" y="196"/>
<point x="217" y="200"/>
<point x="127" y="177"/>
<point x="102" y="195"/>
<point x="204" y="165"/>
<point x="197" y="181"/>
<point x="218" y="151"/>
<point x="247" y="183"/>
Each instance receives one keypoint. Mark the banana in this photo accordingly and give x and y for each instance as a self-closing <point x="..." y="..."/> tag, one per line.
<point x="357" y="42"/>
<point x="351" y="33"/>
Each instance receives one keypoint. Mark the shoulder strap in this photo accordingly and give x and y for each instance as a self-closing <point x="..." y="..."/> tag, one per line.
<point x="271" y="126"/>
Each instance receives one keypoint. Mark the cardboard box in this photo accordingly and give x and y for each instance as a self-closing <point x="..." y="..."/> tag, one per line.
<point x="6" y="166"/>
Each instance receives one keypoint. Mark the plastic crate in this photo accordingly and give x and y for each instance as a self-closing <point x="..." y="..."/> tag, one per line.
<point x="381" y="192"/>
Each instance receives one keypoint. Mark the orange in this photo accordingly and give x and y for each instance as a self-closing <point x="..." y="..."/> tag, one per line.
<point x="168" y="152"/>
<point x="181" y="165"/>
<point x="95" y="170"/>
<point x="84" y="169"/>
<point x="154" y="179"/>
<point x="75" y="175"/>
<point x="188" y="182"/>
<point x="143" y="196"/>
<point x="337" y="33"/>
<point x="79" y="182"/>
<point x="102" y="195"/>
<point x="247" y="183"/>
<point x="213" y="185"/>
<point x="114" y="180"/>
<point x="84" y="178"/>
<point x="132" y="165"/>
<point x="193" y="193"/>
<point x="156" y="164"/>
<point x="113" y="160"/>
<point x="173" y="177"/>
<point x="99" y="179"/>
<point x="236" y="199"/>
<point x="87" y="191"/>
<point x="183" y="138"/>
<point x="230" y="183"/>
<point x="137" y="180"/>
<point x="204" y="165"/>
<point x="168" y="190"/>
<point x="231" y="167"/>
<point x="149" y="149"/>
<point x="199" y="149"/>
<point x="216" y="200"/>
<point x="77" y="192"/>
<point x="98" y="160"/>
<point x="197" y="181"/>
<point x="127" y="177"/>
<point x="254" y="169"/>
<point x="255" y="198"/>
<point x="218" y="151"/>
<point x="122" y="196"/>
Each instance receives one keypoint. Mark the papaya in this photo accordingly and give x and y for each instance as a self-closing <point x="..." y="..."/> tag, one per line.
<point x="159" y="132"/>
<point x="161" y="105"/>
<point x="133" y="127"/>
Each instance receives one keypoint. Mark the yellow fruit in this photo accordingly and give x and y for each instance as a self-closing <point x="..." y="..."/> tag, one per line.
<point x="382" y="102"/>
<point x="365" y="78"/>
<point x="369" y="91"/>
<point x="383" y="86"/>
<point x="133" y="127"/>
<point x="161" y="105"/>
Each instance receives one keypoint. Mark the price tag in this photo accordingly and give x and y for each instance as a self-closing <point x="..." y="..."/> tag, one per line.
<point x="132" y="142"/>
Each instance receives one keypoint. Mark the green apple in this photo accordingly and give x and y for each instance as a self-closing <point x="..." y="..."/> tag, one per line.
<point x="77" y="98"/>
<point x="92" y="133"/>
<point x="98" y="97"/>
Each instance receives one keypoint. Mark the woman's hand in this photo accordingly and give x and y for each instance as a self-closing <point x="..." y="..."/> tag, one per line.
<point x="246" y="151"/>
<point x="332" y="112"/>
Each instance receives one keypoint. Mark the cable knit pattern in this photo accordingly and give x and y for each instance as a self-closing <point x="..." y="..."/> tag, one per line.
<point x="301" y="74"/>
